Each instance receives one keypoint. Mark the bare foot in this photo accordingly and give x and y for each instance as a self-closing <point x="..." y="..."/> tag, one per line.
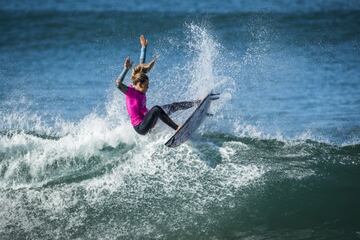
<point x="178" y="128"/>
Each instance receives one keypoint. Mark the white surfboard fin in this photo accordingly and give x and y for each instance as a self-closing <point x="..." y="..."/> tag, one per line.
<point x="214" y="96"/>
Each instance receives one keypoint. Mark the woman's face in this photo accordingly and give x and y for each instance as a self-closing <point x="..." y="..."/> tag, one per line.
<point x="142" y="87"/>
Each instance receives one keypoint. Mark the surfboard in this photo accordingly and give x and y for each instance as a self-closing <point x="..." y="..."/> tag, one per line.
<point x="193" y="122"/>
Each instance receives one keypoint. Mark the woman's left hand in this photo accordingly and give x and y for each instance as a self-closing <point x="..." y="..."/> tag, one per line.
<point x="143" y="41"/>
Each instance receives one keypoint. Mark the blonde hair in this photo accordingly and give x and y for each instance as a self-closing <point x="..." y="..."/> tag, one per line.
<point x="141" y="68"/>
<point x="139" y="77"/>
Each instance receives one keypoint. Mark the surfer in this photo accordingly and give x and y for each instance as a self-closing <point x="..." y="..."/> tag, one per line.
<point x="141" y="118"/>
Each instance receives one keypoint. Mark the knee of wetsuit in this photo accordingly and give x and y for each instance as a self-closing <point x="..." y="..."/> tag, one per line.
<point x="139" y="131"/>
<point x="157" y="108"/>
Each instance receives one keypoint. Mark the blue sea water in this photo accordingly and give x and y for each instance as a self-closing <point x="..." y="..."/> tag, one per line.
<point x="279" y="159"/>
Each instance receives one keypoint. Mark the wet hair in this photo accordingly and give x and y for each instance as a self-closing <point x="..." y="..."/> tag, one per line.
<point x="139" y="77"/>
<point x="139" y="73"/>
<point x="141" y="68"/>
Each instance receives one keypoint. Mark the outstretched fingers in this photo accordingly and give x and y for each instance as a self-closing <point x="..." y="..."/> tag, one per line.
<point x="143" y="41"/>
<point x="128" y="63"/>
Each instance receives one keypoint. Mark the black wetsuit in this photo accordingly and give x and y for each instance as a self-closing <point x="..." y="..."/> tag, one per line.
<point x="163" y="113"/>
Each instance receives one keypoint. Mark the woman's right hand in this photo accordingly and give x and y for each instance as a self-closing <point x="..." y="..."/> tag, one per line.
<point x="127" y="63"/>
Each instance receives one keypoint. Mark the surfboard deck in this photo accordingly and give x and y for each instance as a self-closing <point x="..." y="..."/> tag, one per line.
<point x="193" y="122"/>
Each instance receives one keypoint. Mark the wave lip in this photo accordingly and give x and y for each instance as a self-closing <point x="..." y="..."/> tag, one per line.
<point x="37" y="159"/>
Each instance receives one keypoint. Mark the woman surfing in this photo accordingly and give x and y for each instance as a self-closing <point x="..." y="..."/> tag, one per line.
<point x="141" y="118"/>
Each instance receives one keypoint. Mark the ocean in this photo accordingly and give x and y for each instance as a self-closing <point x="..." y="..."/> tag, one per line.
<point x="280" y="158"/>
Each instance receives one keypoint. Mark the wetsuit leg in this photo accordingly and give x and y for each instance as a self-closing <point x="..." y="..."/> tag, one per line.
<point x="151" y="118"/>
<point x="176" y="106"/>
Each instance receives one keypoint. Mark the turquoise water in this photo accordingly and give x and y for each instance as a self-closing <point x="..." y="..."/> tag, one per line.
<point x="279" y="160"/>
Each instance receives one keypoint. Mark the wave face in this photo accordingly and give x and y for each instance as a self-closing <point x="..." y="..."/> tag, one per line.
<point x="279" y="160"/>
<point x="95" y="184"/>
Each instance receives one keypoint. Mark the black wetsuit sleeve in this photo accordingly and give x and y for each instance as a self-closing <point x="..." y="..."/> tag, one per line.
<point x="120" y="79"/>
<point x="122" y="74"/>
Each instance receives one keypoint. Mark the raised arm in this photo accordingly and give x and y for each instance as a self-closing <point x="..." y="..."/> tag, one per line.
<point x="144" y="43"/>
<point x="119" y="81"/>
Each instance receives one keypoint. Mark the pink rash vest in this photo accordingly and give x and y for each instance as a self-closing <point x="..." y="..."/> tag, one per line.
<point x="135" y="105"/>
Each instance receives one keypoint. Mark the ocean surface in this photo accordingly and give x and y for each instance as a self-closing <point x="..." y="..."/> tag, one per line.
<point x="280" y="158"/>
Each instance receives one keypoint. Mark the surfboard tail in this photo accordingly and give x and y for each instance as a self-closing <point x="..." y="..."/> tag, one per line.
<point x="170" y="142"/>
